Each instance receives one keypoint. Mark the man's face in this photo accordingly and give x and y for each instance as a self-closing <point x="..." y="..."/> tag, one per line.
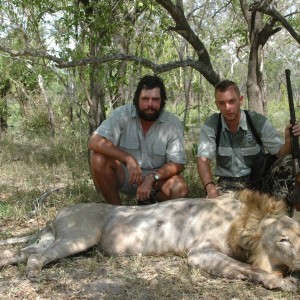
<point x="149" y="106"/>
<point x="229" y="103"/>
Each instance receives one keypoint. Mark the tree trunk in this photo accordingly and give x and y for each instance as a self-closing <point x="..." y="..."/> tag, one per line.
<point x="259" y="33"/>
<point x="96" y="95"/>
<point x="49" y="105"/>
<point x="255" y="82"/>
<point x="97" y="99"/>
<point x="3" y="107"/>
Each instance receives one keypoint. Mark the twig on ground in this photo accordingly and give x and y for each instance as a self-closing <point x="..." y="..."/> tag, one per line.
<point x="39" y="202"/>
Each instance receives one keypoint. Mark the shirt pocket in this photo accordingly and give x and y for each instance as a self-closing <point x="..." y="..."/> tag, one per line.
<point x="159" y="156"/>
<point x="250" y="154"/>
<point x="130" y="146"/>
<point x="224" y="157"/>
<point x="250" y="151"/>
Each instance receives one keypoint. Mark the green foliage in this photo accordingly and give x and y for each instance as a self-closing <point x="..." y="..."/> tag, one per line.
<point x="279" y="113"/>
<point x="141" y="28"/>
<point x="3" y="108"/>
<point x="38" y="123"/>
<point x="5" y="210"/>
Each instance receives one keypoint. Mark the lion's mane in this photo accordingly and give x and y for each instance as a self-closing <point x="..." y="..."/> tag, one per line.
<point x="245" y="228"/>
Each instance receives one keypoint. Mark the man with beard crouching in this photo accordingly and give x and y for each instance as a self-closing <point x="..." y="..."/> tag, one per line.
<point x="139" y="149"/>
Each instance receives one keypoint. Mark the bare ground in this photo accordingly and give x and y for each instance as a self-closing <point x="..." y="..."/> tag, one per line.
<point x="92" y="276"/>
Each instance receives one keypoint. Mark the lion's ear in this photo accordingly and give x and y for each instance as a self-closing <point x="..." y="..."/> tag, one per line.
<point x="248" y="241"/>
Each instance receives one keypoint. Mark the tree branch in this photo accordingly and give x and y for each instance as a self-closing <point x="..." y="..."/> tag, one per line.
<point x="268" y="9"/>
<point x="60" y="63"/>
<point x="183" y="28"/>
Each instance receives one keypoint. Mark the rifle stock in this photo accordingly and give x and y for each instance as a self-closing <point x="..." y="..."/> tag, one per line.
<point x="294" y="199"/>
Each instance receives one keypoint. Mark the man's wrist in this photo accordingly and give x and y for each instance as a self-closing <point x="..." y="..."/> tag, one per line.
<point x="155" y="176"/>
<point x="207" y="184"/>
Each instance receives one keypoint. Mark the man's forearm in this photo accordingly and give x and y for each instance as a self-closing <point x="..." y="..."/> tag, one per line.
<point x="285" y="149"/>
<point x="105" y="147"/>
<point x="206" y="177"/>
<point x="204" y="171"/>
<point x="169" y="169"/>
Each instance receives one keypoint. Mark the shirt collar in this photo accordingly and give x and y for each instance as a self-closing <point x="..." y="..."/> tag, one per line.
<point x="243" y="121"/>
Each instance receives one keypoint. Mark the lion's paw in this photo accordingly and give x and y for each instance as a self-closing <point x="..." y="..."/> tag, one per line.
<point x="289" y="284"/>
<point x="34" y="269"/>
<point x="285" y="284"/>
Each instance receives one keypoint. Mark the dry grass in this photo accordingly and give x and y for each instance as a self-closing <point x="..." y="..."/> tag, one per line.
<point x="28" y="168"/>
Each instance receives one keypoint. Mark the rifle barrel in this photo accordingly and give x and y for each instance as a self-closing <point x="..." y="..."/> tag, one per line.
<point x="295" y="140"/>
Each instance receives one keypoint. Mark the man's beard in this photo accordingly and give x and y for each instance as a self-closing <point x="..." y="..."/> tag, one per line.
<point x="148" y="117"/>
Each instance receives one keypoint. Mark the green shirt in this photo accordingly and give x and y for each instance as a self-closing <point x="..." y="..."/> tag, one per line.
<point x="164" y="142"/>
<point x="237" y="152"/>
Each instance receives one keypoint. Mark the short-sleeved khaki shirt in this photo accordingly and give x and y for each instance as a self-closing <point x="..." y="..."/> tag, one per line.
<point x="164" y="142"/>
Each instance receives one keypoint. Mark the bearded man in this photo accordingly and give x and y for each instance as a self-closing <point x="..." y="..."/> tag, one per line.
<point x="139" y="150"/>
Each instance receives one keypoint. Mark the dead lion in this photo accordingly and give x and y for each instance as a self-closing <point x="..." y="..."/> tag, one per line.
<point x="252" y="239"/>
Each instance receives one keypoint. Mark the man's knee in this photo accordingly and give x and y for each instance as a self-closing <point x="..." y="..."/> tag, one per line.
<point x="178" y="188"/>
<point x="182" y="189"/>
<point x="98" y="162"/>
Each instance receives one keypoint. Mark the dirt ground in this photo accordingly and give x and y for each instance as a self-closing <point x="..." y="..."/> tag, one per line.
<point x="95" y="277"/>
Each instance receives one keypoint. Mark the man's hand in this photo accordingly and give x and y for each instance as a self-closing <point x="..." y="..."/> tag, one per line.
<point x="287" y="147"/>
<point x="134" y="171"/>
<point x="295" y="130"/>
<point x="212" y="191"/>
<point x="145" y="188"/>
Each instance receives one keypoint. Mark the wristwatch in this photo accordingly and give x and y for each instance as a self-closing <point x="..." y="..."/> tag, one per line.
<point x="156" y="177"/>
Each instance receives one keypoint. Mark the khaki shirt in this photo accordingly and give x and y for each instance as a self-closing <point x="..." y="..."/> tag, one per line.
<point x="163" y="143"/>
<point x="237" y="152"/>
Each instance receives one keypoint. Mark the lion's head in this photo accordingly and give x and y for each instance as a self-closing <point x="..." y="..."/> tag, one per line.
<point x="263" y="235"/>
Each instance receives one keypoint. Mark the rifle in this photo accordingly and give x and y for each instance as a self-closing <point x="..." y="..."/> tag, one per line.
<point x="294" y="198"/>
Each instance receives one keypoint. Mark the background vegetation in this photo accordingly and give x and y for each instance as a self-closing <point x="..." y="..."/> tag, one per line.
<point x="75" y="61"/>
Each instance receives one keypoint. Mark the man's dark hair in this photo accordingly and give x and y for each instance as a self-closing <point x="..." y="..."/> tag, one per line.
<point x="150" y="82"/>
<point x="224" y="85"/>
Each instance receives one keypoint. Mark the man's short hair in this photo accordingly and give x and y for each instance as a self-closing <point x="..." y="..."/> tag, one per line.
<point x="150" y="82"/>
<point x="224" y="85"/>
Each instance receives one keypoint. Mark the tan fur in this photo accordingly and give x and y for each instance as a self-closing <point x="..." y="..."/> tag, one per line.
<point x="251" y="239"/>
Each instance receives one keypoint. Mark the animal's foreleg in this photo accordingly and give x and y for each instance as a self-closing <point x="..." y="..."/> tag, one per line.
<point x="221" y="265"/>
